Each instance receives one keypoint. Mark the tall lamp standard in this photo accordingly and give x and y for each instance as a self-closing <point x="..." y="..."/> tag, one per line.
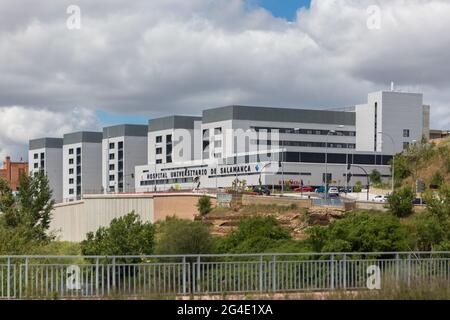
<point x="326" y="163"/>
<point x="393" y="157"/>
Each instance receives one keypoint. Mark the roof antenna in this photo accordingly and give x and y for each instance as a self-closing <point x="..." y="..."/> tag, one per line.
<point x="392" y="85"/>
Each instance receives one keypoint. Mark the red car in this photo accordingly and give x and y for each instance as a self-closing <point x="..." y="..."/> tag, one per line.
<point x="304" y="189"/>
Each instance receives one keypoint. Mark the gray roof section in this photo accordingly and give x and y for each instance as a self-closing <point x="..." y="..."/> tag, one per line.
<point x="130" y="130"/>
<point x="83" y="136"/>
<point x="54" y="143"/>
<point x="278" y="115"/>
<point x="172" y="122"/>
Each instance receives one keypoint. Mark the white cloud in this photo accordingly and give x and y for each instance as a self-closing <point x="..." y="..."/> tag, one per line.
<point x="175" y="56"/>
<point x="19" y="124"/>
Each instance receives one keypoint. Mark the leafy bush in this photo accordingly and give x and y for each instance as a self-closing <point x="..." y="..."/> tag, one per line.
<point x="375" y="177"/>
<point x="204" y="205"/>
<point x="400" y="201"/>
<point x="439" y="204"/>
<point x="437" y="179"/>
<point x="358" y="187"/>
<point x="253" y="235"/>
<point x="360" y="232"/>
<point x="126" y="235"/>
<point x="177" y="236"/>
<point x="427" y="231"/>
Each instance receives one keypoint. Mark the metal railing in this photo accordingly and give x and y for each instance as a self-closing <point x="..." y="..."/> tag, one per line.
<point x="99" y="276"/>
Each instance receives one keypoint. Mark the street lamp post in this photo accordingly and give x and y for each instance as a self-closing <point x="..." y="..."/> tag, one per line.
<point x="393" y="158"/>
<point x="326" y="164"/>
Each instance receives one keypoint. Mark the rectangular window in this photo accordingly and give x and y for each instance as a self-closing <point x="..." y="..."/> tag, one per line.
<point x="112" y="145"/>
<point x="217" y="155"/>
<point x="405" y="133"/>
<point x="205" y="133"/>
<point x="71" y="171"/>
<point x="169" y="159"/>
<point x="158" y="139"/>
<point x="169" y="138"/>
<point x="71" y="181"/>
<point x="158" y="150"/>
<point x="70" y="191"/>
<point x="120" y="145"/>
<point x="111" y="156"/>
<point x="36" y="165"/>
<point x="71" y="151"/>
<point x="376" y="127"/>
<point x="42" y="155"/>
<point x="405" y="145"/>
<point x="218" y="144"/>
<point x="158" y="161"/>
<point x="36" y="156"/>
<point x="218" y="130"/>
<point x="111" y="167"/>
<point x="111" y="177"/>
<point x="78" y="151"/>
<point x="71" y="161"/>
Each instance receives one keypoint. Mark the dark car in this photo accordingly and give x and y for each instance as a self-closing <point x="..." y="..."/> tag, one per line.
<point x="263" y="190"/>
<point x="418" y="201"/>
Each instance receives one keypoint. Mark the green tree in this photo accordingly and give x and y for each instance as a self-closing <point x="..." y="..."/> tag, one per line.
<point x="177" y="236"/>
<point x="253" y="235"/>
<point x="400" y="202"/>
<point x="360" y="232"/>
<point x="32" y="207"/>
<point x="204" y="205"/>
<point x="375" y="176"/>
<point x="126" y="235"/>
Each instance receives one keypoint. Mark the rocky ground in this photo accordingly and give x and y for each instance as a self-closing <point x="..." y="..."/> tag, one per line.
<point x="296" y="220"/>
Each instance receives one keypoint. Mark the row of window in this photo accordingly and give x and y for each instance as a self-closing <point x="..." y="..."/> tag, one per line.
<point x="307" y="144"/>
<point x="305" y="131"/>
<point x="112" y="145"/>
<point x="217" y="131"/>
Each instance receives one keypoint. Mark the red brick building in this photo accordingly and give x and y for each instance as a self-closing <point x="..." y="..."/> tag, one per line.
<point x="11" y="172"/>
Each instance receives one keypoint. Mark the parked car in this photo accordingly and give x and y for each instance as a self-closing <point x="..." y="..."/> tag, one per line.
<point x="320" y="189"/>
<point x="263" y="190"/>
<point x="380" y="198"/>
<point x="304" y="189"/>
<point x="419" y="201"/>
<point x="333" y="191"/>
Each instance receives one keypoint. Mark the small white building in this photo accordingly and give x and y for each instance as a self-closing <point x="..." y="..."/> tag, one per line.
<point x="123" y="148"/>
<point x="82" y="170"/>
<point x="46" y="154"/>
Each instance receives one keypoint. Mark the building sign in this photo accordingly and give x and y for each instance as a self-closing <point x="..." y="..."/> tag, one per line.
<point x="221" y="170"/>
<point x="224" y="199"/>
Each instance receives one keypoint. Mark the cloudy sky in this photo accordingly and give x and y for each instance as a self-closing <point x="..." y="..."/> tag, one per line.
<point x="134" y="60"/>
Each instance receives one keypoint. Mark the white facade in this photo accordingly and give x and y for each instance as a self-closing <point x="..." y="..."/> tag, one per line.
<point x="123" y="148"/>
<point x="390" y="115"/>
<point x="46" y="154"/>
<point x="306" y="144"/>
<point x="82" y="156"/>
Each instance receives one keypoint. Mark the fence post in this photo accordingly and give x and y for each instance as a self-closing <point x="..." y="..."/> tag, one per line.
<point x="261" y="288"/>
<point x="26" y="275"/>
<point x="332" y="272"/>
<point x="274" y="273"/>
<point x="409" y="269"/>
<point x="96" y="276"/>
<point x="344" y="261"/>
<point x="8" y="279"/>
<point x="397" y="268"/>
<point x="198" y="274"/>
<point x="114" y="273"/>
<point x="184" y="275"/>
